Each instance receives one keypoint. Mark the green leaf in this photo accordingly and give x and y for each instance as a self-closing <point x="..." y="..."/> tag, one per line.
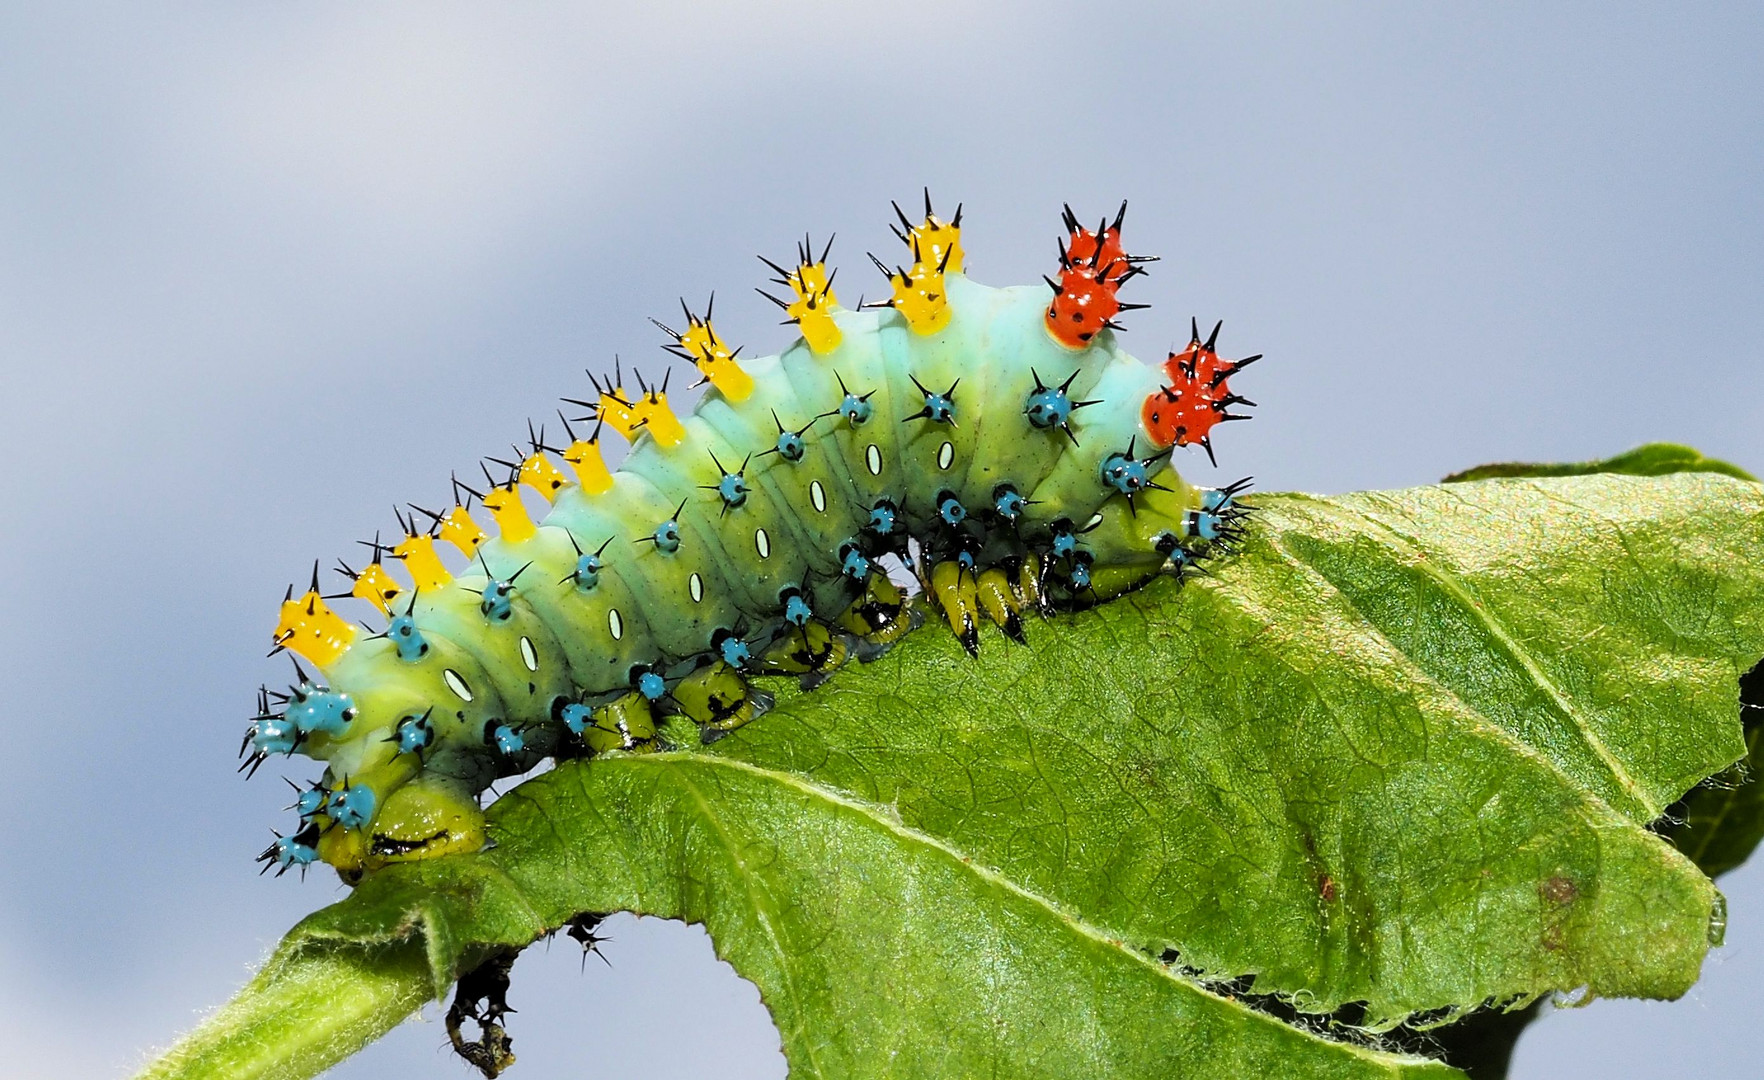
<point x="1651" y="459"/>
<point x="1399" y="750"/>
<point x="1719" y="823"/>
<point x="1459" y="739"/>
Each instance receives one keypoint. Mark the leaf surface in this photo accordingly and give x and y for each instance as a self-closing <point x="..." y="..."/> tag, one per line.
<point x="1400" y="750"/>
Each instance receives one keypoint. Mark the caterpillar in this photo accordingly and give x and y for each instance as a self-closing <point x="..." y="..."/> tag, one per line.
<point x="993" y="445"/>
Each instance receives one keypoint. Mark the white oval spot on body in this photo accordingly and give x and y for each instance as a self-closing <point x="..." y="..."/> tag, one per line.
<point x="762" y="543"/>
<point x="945" y="455"/>
<point x="818" y="496"/>
<point x="873" y="459"/>
<point x="456" y="684"/>
<point x="695" y="586"/>
<point x="528" y="656"/>
<point x="615" y="622"/>
<point x="1095" y="520"/>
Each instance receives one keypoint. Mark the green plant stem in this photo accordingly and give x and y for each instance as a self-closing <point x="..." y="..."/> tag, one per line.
<point x="304" y="1012"/>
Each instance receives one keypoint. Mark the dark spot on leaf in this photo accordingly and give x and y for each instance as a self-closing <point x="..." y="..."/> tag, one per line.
<point x="1559" y="890"/>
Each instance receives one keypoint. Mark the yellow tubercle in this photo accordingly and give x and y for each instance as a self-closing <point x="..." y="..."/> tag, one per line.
<point x="512" y="520"/>
<point x="700" y="344"/>
<point x="726" y="375"/>
<point x="934" y="241"/>
<point x="422" y="561"/>
<point x="811" y="279"/>
<point x="812" y="308"/>
<point x="939" y="243"/>
<point x="538" y="473"/>
<point x="659" y="420"/>
<point x="584" y="457"/>
<point x="457" y="528"/>
<point x="811" y="301"/>
<point x="920" y="298"/>
<point x="617" y="412"/>
<point x="310" y="628"/>
<point x="376" y="586"/>
<point x="820" y="331"/>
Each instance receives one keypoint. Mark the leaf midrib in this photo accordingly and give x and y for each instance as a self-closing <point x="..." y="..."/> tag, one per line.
<point x="873" y="813"/>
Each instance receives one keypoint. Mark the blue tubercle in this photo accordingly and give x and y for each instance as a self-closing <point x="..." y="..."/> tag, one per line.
<point x="882" y="520"/>
<point x="1124" y="474"/>
<point x="507" y="739"/>
<point x="939" y="408"/>
<point x="732" y="489"/>
<point x="734" y="651"/>
<point x="790" y="446"/>
<point x="1048" y="407"/>
<point x="854" y="565"/>
<point x="577" y="718"/>
<point x="855" y="409"/>
<point x="651" y="685"/>
<point x="498" y="601"/>
<point x="353" y="807"/>
<point x="320" y="711"/>
<point x="405" y="635"/>
<point x="290" y="851"/>
<point x="587" y="573"/>
<point x="309" y="802"/>
<point x="274" y="734"/>
<point x="414" y="734"/>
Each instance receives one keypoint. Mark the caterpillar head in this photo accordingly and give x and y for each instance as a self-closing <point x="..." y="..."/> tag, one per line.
<point x="419" y="820"/>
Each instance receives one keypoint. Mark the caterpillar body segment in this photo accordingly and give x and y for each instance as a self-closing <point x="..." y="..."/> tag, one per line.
<point x="973" y="435"/>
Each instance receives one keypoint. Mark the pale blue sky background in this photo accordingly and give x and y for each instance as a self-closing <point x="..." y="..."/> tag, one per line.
<point x="267" y="268"/>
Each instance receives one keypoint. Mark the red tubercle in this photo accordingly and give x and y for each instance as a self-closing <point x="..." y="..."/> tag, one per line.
<point x="1103" y="259"/>
<point x="1082" y="306"/>
<point x="1197" y="397"/>
<point x="1092" y="267"/>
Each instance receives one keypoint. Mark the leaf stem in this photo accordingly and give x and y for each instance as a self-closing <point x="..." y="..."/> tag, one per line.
<point x="310" y="1007"/>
